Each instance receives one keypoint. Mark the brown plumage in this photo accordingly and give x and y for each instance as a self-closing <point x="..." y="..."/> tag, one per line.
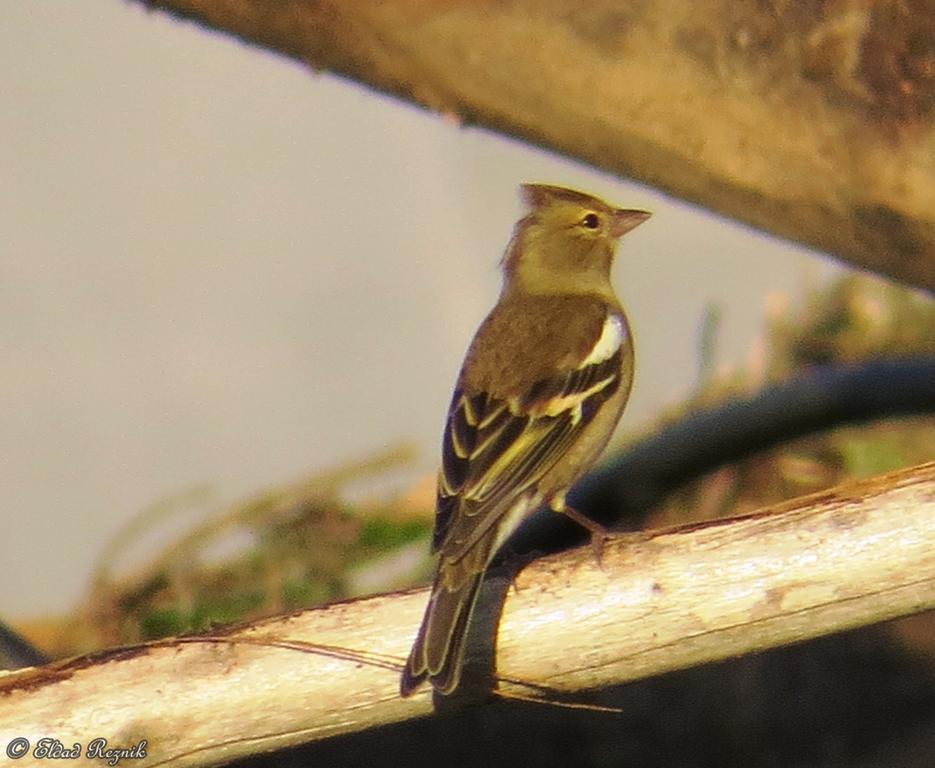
<point x="542" y="386"/>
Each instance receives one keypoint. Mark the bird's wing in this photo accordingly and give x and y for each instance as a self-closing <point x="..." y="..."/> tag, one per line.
<point x="495" y="450"/>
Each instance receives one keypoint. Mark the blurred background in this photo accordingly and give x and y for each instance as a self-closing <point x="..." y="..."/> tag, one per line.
<point x="220" y="272"/>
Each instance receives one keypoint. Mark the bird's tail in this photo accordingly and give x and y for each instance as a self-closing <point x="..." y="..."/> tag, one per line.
<point x="438" y="651"/>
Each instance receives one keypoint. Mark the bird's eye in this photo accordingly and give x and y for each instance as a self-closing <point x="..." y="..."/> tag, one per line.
<point x="591" y="221"/>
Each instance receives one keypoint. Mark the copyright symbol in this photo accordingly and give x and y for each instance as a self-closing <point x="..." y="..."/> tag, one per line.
<point x="17" y="748"/>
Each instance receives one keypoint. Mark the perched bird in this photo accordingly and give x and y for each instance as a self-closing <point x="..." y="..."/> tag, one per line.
<point x="541" y="389"/>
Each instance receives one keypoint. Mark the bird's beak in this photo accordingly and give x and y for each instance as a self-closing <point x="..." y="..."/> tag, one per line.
<point x="626" y="219"/>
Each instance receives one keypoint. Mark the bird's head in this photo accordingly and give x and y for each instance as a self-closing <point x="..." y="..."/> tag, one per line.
<point x="566" y="243"/>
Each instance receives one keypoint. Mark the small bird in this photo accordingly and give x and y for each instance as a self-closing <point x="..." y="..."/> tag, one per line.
<point x="541" y="389"/>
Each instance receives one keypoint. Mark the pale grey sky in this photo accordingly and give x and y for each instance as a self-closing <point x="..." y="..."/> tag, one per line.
<point x="219" y="268"/>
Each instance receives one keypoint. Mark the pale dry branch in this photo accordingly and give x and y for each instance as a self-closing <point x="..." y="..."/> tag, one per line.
<point x="861" y="553"/>
<point x="814" y="121"/>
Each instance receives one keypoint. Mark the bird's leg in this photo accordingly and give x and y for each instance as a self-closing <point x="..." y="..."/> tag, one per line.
<point x="598" y="532"/>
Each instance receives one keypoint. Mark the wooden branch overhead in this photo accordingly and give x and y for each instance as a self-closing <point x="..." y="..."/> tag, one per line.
<point x="814" y="121"/>
<point x="861" y="553"/>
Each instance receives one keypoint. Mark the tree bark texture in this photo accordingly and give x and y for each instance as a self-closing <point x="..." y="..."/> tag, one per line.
<point x="810" y="119"/>
<point x="860" y="553"/>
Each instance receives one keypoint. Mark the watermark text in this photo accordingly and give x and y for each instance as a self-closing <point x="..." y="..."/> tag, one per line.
<point x="48" y="748"/>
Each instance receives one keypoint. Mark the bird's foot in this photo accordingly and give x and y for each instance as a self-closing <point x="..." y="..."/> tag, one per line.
<point x="599" y="534"/>
<point x="597" y="544"/>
